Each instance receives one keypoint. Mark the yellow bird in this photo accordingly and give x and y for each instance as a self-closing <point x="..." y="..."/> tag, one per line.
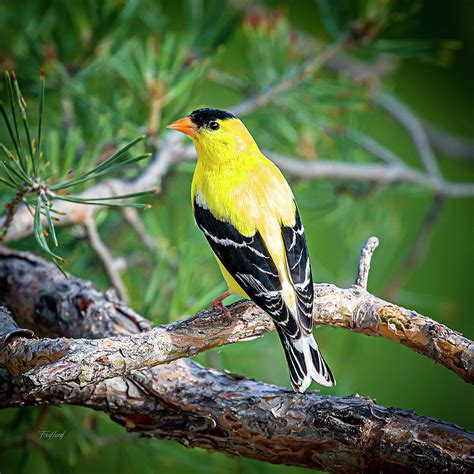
<point x="248" y="214"/>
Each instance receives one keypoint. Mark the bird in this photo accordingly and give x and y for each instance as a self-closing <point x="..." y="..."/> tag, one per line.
<point x="249" y="216"/>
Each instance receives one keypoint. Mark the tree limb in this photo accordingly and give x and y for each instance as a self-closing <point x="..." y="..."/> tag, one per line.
<point x="85" y="361"/>
<point x="203" y="408"/>
<point x="178" y="401"/>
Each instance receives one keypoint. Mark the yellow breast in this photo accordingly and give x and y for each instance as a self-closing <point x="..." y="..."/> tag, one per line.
<point x="253" y="196"/>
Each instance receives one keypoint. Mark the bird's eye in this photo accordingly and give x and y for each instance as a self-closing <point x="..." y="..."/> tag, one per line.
<point x="214" y="126"/>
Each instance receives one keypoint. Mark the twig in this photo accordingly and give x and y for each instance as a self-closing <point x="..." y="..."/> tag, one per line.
<point x="86" y="361"/>
<point x="131" y="216"/>
<point x="365" y="258"/>
<point x="449" y="144"/>
<point x="309" y="69"/>
<point x="417" y="249"/>
<point x="397" y="172"/>
<point x="413" y="125"/>
<point x="107" y="259"/>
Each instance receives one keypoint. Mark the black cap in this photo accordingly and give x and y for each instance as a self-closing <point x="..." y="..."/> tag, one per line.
<point x="202" y="117"/>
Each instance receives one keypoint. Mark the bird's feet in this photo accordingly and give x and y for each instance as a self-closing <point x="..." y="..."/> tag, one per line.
<point x="217" y="304"/>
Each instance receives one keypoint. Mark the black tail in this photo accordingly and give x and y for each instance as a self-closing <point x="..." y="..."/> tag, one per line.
<point x="305" y="362"/>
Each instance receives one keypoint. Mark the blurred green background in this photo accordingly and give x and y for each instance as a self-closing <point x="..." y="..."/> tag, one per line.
<point x="106" y="62"/>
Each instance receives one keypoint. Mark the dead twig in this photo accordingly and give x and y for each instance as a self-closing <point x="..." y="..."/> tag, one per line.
<point x="109" y="262"/>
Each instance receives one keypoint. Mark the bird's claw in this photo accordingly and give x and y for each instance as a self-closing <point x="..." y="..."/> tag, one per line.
<point x="218" y="305"/>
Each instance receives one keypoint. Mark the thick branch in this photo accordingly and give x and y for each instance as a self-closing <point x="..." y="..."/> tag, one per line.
<point x="86" y="361"/>
<point x="41" y="298"/>
<point x="178" y="401"/>
<point x="202" y="408"/>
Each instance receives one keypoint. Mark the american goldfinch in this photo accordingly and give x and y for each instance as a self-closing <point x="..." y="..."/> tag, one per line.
<point x="248" y="214"/>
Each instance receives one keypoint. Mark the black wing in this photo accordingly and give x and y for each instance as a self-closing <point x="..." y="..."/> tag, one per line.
<point x="299" y="268"/>
<point x="247" y="259"/>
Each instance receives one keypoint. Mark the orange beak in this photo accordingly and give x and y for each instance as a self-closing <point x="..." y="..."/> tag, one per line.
<point x="184" y="125"/>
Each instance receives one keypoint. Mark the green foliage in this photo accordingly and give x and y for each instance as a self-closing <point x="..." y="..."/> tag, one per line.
<point x="28" y="172"/>
<point x="161" y="72"/>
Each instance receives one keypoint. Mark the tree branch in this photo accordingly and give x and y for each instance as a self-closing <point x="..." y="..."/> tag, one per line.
<point x="413" y="125"/>
<point x="450" y="144"/>
<point x="109" y="262"/>
<point x="264" y="422"/>
<point x="178" y="401"/>
<point x="396" y="172"/>
<point x="85" y="361"/>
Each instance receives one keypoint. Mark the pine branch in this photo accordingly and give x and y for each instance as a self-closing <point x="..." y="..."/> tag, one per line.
<point x="225" y="412"/>
<point x="85" y="361"/>
<point x="28" y="175"/>
<point x="364" y="71"/>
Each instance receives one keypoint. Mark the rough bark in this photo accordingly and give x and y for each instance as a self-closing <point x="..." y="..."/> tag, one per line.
<point x="85" y="361"/>
<point x="201" y="407"/>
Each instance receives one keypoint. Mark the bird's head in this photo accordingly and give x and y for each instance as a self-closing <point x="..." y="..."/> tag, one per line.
<point x="216" y="134"/>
